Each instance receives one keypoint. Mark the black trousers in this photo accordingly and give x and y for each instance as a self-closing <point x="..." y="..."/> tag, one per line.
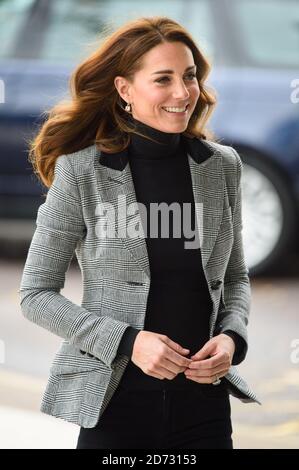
<point x="163" y="419"/>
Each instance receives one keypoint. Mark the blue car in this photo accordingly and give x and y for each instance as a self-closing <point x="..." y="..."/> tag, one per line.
<point x="253" y="48"/>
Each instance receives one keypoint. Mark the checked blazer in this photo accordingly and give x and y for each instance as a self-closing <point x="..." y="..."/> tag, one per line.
<point x="87" y="368"/>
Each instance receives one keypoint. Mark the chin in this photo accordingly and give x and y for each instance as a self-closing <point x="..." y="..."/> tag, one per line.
<point x="178" y="128"/>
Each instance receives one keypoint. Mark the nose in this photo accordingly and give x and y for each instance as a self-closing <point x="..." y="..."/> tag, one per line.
<point x="181" y="91"/>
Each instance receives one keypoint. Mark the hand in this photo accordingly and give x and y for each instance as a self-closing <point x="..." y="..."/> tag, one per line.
<point x="213" y="359"/>
<point x="158" y="356"/>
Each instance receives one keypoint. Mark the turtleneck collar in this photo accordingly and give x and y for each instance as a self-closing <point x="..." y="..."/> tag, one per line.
<point x="142" y="148"/>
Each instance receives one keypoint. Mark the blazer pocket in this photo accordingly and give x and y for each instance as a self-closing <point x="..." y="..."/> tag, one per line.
<point x="70" y="359"/>
<point x="70" y="392"/>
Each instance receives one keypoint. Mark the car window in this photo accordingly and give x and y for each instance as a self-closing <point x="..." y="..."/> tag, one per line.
<point x="73" y="27"/>
<point x="76" y="24"/>
<point x="270" y="30"/>
<point x="13" y="15"/>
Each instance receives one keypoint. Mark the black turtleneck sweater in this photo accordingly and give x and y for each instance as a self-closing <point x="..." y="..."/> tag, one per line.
<point x="179" y="303"/>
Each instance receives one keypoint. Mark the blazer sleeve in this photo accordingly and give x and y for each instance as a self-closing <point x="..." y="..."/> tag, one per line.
<point x="60" y="228"/>
<point x="234" y="314"/>
<point x="240" y="344"/>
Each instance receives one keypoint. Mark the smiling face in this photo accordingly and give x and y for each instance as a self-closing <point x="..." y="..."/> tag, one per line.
<point x="151" y="92"/>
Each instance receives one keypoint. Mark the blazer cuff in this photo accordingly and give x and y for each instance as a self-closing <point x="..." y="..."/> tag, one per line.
<point x="127" y="342"/>
<point x="241" y="346"/>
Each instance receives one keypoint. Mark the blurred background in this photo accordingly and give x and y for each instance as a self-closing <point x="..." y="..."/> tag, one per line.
<point x="253" y="46"/>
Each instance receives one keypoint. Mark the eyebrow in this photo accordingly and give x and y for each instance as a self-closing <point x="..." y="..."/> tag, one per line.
<point x="171" y="71"/>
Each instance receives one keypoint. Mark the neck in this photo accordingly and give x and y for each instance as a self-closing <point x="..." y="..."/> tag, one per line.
<point x="163" y="145"/>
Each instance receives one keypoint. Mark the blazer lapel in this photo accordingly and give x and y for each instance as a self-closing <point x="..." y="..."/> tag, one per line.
<point x="208" y="189"/>
<point x="116" y="186"/>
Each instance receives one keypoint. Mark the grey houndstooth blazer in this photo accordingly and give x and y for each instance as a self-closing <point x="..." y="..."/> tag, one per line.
<point x="116" y="275"/>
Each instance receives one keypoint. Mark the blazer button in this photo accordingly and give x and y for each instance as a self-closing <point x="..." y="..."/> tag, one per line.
<point x="215" y="284"/>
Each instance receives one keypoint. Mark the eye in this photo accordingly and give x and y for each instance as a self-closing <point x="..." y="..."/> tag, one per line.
<point x="190" y="75"/>
<point x="160" y="80"/>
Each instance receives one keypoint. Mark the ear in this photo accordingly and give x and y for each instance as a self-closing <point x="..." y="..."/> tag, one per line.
<point x="123" y="88"/>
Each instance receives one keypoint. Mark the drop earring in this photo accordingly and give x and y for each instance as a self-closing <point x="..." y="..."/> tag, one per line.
<point x="128" y="108"/>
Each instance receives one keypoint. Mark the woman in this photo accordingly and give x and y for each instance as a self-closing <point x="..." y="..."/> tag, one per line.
<point x="148" y="358"/>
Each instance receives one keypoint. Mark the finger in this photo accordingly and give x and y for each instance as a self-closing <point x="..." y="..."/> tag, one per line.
<point x="164" y="368"/>
<point x="157" y="376"/>
<point x="208" y="372"/>
<point x="157" y="372"/>
<point x="206" y="351"/>
<point x="171" y="366"/>
<point x="175" y="346"/>
<point x="165" y="373"/>
<point x="207" y="380"/>
<point x="176" y="358"/>
<point x="216" y="360"/>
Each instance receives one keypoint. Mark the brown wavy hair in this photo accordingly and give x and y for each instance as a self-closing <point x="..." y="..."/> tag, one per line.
<point x="95" y="112"/>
